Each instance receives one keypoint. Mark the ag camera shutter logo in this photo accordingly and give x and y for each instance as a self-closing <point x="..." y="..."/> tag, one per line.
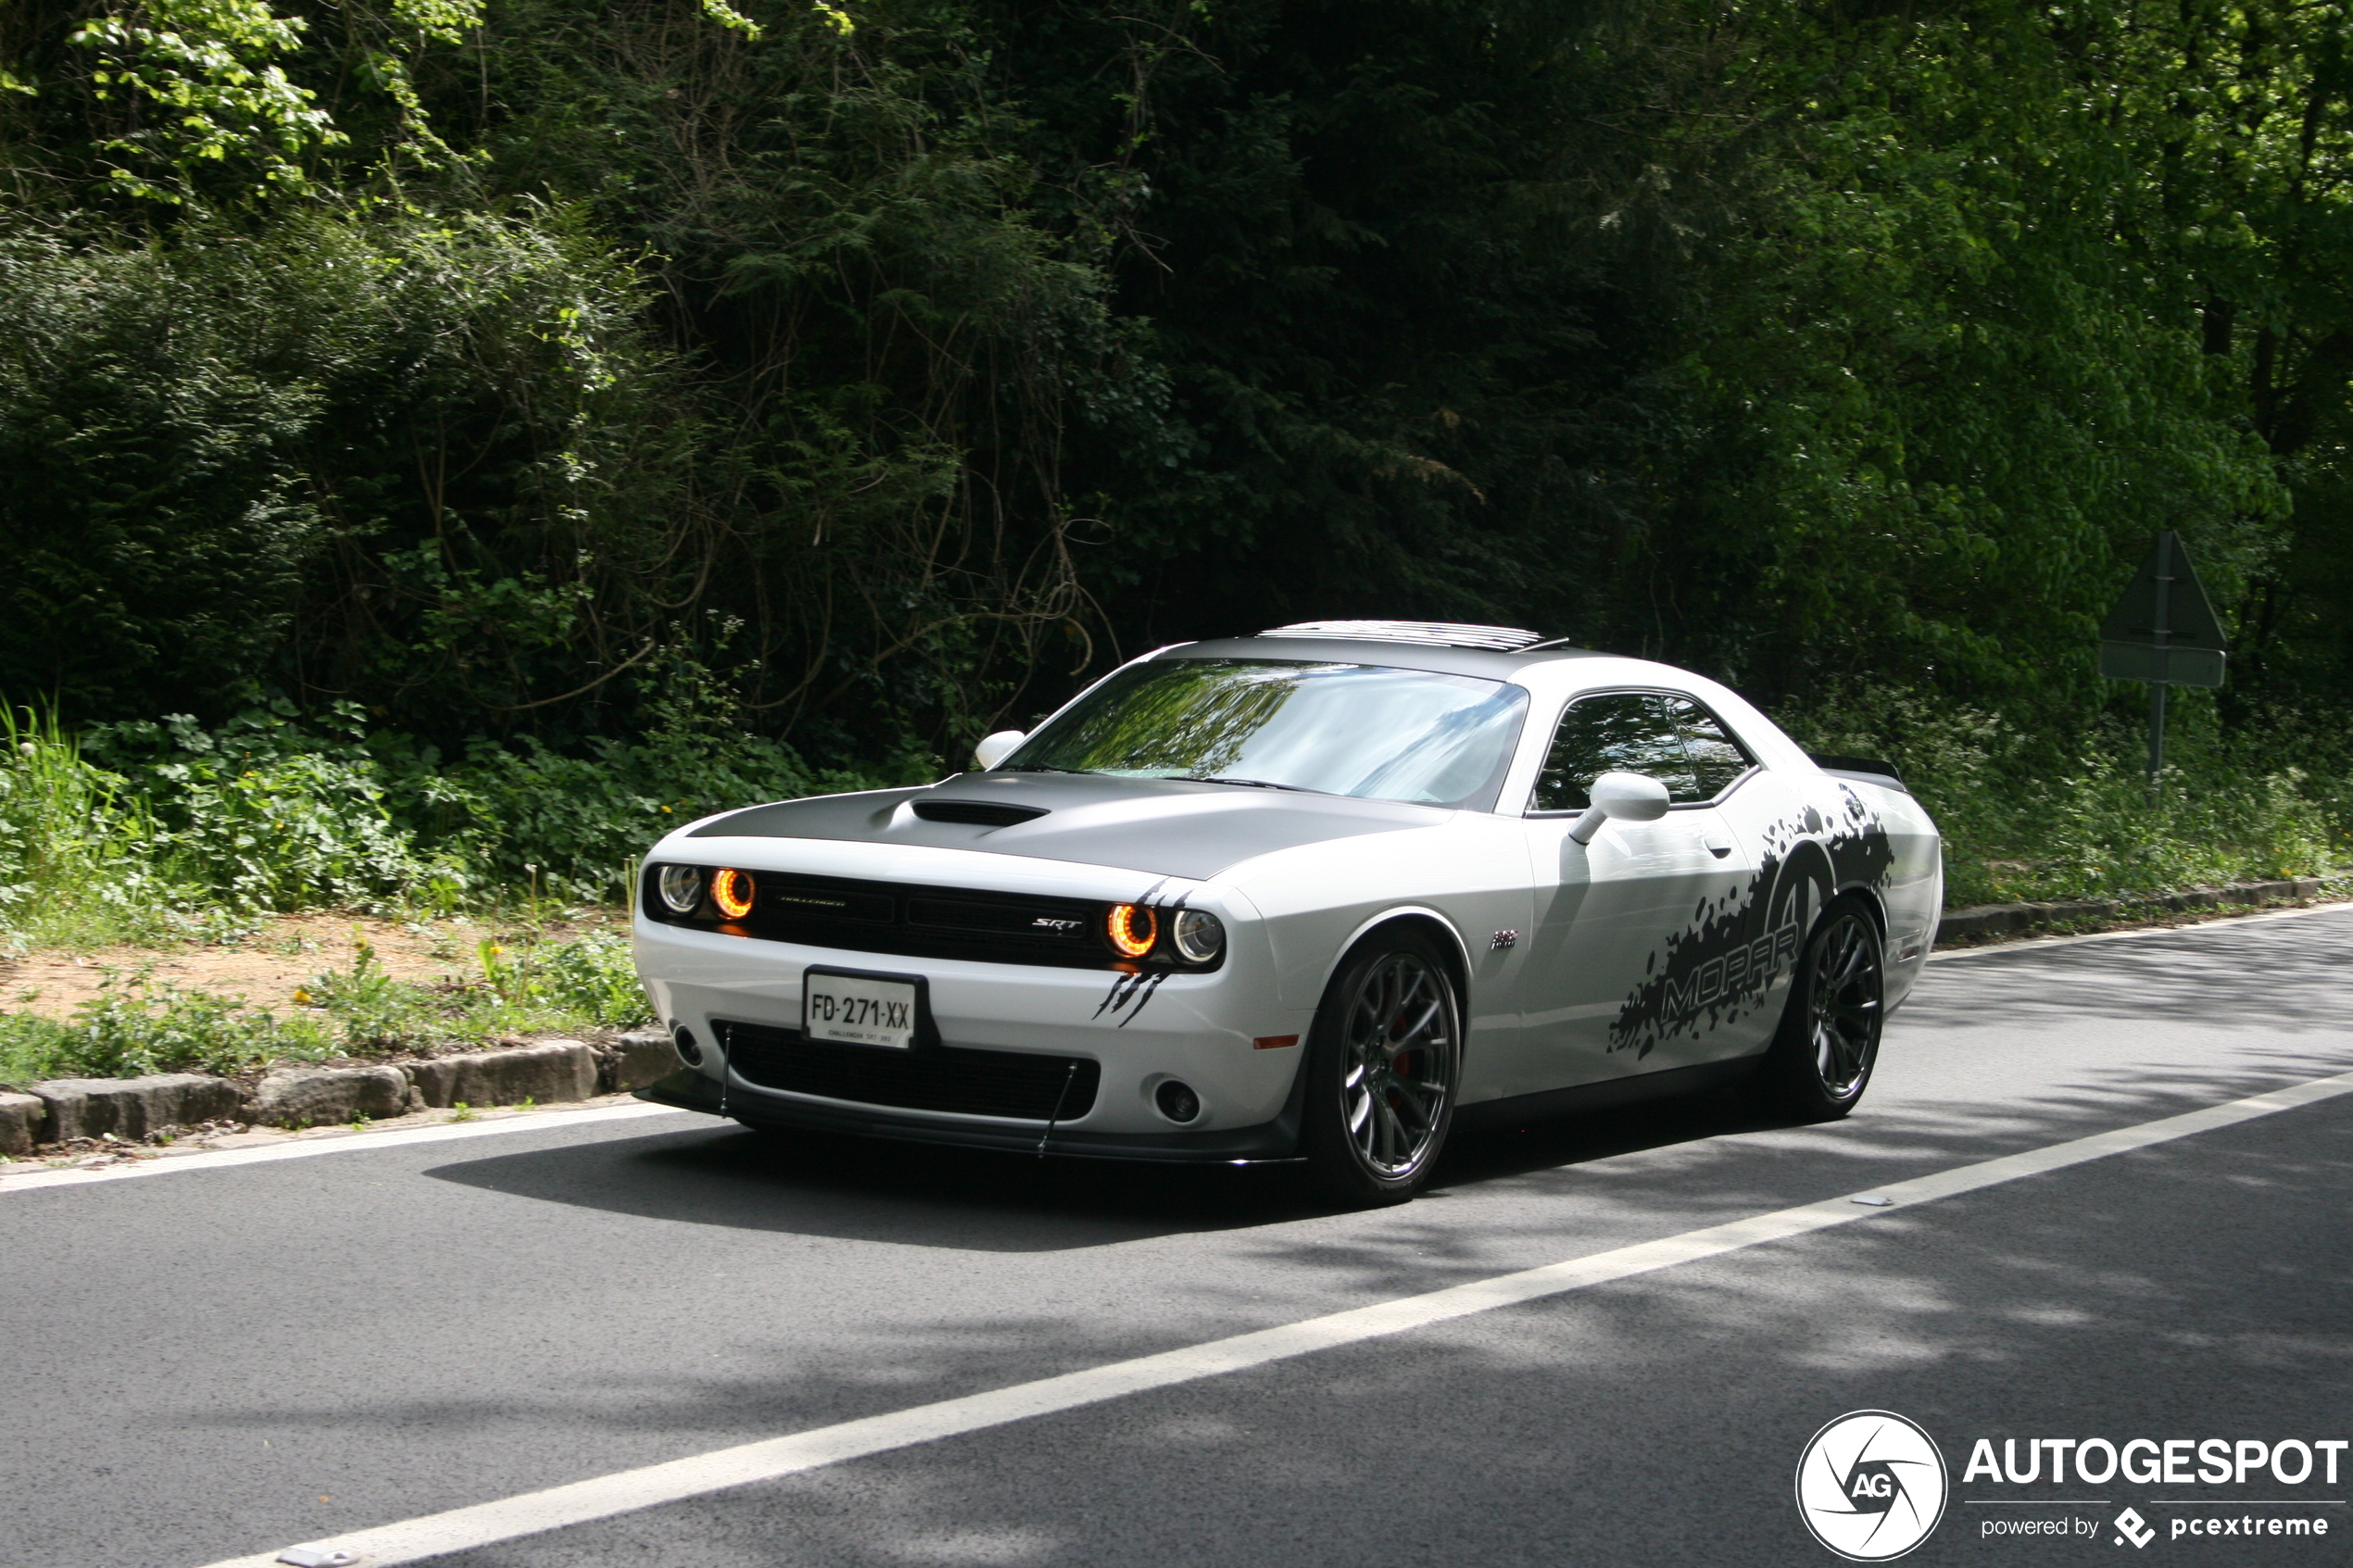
<point x="1872" y="1486"/>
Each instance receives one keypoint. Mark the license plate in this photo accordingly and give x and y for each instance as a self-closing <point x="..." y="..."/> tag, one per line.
<point x="858" y="1010"/>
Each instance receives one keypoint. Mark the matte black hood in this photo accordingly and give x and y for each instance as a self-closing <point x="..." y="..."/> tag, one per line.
<point x="1166" y="827"/>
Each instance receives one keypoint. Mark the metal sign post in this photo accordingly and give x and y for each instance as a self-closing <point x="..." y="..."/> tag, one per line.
<point x="2164" y="632"/>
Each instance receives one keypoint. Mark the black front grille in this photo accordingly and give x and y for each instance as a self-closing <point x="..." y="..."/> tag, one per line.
<point x="914" y="920"/>
<point x="1016" y="1083"/>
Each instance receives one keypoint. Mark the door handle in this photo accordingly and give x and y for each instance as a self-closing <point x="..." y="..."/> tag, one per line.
<point x="1717" y="847"/>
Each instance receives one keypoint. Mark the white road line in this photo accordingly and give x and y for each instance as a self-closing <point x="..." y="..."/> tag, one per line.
<point x="35" y="1178"/>
<point x="482" y="1524"/>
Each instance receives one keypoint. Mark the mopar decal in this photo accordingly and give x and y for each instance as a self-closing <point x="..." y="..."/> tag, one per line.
<point x="1723" y="965"/>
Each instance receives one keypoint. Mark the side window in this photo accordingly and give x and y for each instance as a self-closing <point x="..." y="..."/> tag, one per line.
<point x="1619" y="731"/>
<point x="1717" y="757"/>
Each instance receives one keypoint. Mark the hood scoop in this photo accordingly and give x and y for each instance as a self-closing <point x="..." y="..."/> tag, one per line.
<point x="979" y="813"/>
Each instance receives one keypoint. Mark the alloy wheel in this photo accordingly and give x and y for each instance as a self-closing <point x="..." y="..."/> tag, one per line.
<point x="1398" y="1063"/>
<point x="1844" y="989"/>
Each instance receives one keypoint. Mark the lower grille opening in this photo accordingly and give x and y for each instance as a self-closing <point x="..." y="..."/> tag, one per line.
<point x="974" y="1083"/>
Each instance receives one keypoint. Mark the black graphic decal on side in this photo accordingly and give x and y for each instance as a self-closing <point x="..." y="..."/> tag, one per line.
<point x="1723" y="965"/>
<point x="1720" y="967"/>
<point x="1861" y="853"/>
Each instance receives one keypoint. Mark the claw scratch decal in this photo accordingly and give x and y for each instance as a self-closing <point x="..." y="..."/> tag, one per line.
<point x="1129" y="993"/>
<point x="1724" y="964"/>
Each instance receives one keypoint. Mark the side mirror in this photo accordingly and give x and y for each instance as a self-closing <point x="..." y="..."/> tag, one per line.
<point x="995" y="749"/>
<point x="1636" y="797"/>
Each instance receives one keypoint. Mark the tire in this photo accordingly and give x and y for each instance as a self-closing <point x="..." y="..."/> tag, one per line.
<point x="1822" y="1054"/>
<point x="1384" y="1065"/>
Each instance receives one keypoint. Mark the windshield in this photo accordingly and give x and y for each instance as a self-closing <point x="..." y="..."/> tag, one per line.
<point x="1336" y="728"/>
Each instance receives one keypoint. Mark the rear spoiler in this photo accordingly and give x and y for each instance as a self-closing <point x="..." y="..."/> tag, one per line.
<point x="1863" y="769"/>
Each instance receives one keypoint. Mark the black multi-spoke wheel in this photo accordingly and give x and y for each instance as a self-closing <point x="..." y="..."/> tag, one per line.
<point x="1382" y="1065"/>
<point x="1822" y="1057"/>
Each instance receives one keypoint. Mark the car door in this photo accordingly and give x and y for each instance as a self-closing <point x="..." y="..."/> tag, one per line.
<point x="1612" y="917"/>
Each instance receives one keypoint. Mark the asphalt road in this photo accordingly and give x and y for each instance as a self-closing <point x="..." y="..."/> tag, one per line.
<point x="219" y="1362"/>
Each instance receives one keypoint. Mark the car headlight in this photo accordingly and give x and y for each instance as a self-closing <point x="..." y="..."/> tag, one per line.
<point x="1201" y="936"/>
<point x="1133" y="929"/>
<point x="681" y="888"/>
<point x="731" y="890"/>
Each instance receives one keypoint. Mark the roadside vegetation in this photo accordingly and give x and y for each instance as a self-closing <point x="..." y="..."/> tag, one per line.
<point x="138" y="1024"/>
<point x="168" y="837"/>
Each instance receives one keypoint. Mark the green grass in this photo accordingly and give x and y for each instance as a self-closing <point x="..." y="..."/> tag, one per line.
<point x="135" y="1025"/>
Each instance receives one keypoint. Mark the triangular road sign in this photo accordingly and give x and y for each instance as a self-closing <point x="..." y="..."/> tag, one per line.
<point x="2164" y="630"/>
<point x="2189" y="617"/>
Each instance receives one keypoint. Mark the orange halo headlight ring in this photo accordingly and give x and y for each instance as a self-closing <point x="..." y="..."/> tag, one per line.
<point x="1133" y="929"/>
<point x="732" y="891"/>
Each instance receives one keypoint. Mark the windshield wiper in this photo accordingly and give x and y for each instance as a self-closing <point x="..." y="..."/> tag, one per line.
<point x="1046" y="768"/>
<point x="1254" y="783"/>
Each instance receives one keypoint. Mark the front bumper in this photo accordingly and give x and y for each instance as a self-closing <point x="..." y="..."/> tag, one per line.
<point x="1199" y="1028"/>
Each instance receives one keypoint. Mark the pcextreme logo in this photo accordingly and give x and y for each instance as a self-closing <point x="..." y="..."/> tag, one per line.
<point x="1872" y="1486"/>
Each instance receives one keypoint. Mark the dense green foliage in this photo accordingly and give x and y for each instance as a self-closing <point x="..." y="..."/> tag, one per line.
<point x="151" y="831"/>
<point x="420" y="393"/>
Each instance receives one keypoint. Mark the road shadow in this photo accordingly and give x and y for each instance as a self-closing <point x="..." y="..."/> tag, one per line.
<point x="915" y="1195"/>
<point x="861" y="1189"/>
<point x="1724" y="1151"/>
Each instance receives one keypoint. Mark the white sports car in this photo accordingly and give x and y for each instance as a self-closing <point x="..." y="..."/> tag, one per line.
<point x="1318" y="894"/>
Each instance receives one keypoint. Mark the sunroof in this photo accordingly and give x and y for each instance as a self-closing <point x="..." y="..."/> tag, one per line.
<point x="1430" y="634"/>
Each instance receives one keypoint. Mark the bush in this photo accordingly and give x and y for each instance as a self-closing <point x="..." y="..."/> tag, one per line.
<point x="79" y="847"/>
<point x="2026" y="818"/>
<point x="262" y="814"/>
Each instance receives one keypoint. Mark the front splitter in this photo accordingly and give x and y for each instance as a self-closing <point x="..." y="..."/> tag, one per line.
<point x="1268" y="1143"/>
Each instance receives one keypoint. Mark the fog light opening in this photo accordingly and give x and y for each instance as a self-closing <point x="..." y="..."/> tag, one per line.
<point x="1178" y="1102"/>
<point x="689" y="1049"/>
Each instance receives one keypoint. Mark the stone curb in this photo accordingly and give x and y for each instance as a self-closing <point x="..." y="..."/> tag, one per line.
<point x="22" y="1116"/>
<point x="548" y="1072"/>
<point x="131" y="1108"/>
<point x="2003" y="919"/>
<point x="633" y="1061"/>
<point x="317" y="1096"/>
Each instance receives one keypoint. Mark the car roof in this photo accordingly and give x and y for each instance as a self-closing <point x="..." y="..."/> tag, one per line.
<point x="1326" y="643"/>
